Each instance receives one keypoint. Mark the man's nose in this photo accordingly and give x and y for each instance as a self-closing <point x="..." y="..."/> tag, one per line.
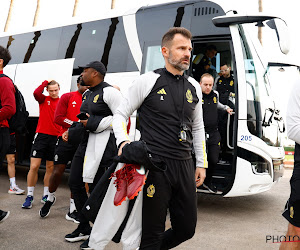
<point x="187" y="53"/>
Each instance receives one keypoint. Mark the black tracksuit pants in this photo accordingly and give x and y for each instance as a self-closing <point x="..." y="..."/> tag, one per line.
<point x="76" y="183"/>
<point x="213" y="151"/>
<point x="174" y="189"/>
<point x="292" y="208"/>
<point x="4" y="143"/>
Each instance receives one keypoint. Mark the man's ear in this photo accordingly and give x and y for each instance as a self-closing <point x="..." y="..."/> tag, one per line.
<point x="95" y="73"/>
<point x="165" y="51"/>
<point x="1" y="63"/>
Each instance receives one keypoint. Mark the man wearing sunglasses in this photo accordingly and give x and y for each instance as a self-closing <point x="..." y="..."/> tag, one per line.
<point x="225" y="85"/>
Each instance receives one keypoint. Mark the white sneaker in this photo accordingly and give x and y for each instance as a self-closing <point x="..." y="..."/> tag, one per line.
<point x="16" y="190"/>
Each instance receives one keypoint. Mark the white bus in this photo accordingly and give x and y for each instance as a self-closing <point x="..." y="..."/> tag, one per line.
<point x="129" y="45"/>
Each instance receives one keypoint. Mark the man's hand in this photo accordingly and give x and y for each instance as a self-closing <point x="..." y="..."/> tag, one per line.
<point x="122" y="145"/>
<point x="84" y="122"/>
<point x="229" y="111"/>
<point x="65" y="136"/>
<point x="200" y="175"/>
<point x="207" y="67"/>
<point x="45" y="83"/>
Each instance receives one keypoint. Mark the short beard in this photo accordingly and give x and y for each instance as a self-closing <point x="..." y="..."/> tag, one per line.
<point x="178" y="65"/>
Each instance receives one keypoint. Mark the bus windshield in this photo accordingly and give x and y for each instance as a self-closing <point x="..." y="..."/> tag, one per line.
<point x="261" y="111"/>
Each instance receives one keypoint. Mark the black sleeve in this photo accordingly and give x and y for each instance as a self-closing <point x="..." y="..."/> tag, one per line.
<point x="76" y="133"/>
<point x="93" y="122"/>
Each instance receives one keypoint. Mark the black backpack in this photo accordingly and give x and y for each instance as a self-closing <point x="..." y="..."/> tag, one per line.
<point x="17" y="122"/>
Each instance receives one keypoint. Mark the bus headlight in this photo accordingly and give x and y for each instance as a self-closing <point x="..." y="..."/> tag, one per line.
<point x="259" y="164"/>
<point x="261" y="167"/>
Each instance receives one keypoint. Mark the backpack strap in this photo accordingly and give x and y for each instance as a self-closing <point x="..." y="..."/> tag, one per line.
<point x="3" y="75"/>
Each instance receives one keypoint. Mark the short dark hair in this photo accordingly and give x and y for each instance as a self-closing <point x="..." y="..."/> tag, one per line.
<point x="223" y="63"/>
<point x="5" y="55"/>
<point x="169" y="36"/>
<point x="206" y="75"/>
<point x="211" y="47"/>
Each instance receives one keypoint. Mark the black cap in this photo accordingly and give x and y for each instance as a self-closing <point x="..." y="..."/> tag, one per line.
<point x="99" y="66"/>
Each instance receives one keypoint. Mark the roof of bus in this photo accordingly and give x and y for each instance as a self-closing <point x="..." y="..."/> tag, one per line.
<point x="74" y="20"/>
<point x="110" y="14"/>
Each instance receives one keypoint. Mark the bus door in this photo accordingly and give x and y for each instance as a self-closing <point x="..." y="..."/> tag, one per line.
<point x="222" y="174"/>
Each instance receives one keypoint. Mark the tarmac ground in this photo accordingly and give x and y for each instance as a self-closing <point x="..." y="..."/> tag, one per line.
<point x="223" y="223"/>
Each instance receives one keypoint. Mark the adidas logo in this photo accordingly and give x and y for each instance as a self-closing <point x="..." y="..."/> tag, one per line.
<point x="74" y="102"/>
<point x="162" y="92"/>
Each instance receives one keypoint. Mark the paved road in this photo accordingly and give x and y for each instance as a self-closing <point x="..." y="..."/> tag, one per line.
<point x="223" y="223"/>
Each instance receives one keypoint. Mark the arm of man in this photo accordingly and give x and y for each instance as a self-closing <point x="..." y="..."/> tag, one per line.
<point x="7" y="99"/>
<point x="112" y="97"/>
<point x="293" y="114"/>
<point x="96" y="123"/>
<point x="221" y="106"/>
<point x="130" y="102"/>
<point x="65" y="136"/>
<point x="105" y="123"/>
<point x="60" y="115"/>
<point x="215" y="83"/>
<point x="199" y="139"/>
<point x="38" y="93"/>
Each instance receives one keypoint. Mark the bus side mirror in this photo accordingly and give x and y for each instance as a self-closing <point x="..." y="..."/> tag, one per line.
<point x="282" y="33"/>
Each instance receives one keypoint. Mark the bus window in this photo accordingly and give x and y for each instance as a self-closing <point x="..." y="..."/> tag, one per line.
<point x="89" y="44"/>
<point x="162" y="19"/>
<point x="260" y="106"/>
<point x="253" y="95"/>
<point x="120" y="58"/>
<point x="4" y="42"/>
<point x="153" y="58"/>
<point x="43" y="46"/>
<point x="102" y="40"/>
<point x="19" y="47"/>
<point x="34" y="46"/>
